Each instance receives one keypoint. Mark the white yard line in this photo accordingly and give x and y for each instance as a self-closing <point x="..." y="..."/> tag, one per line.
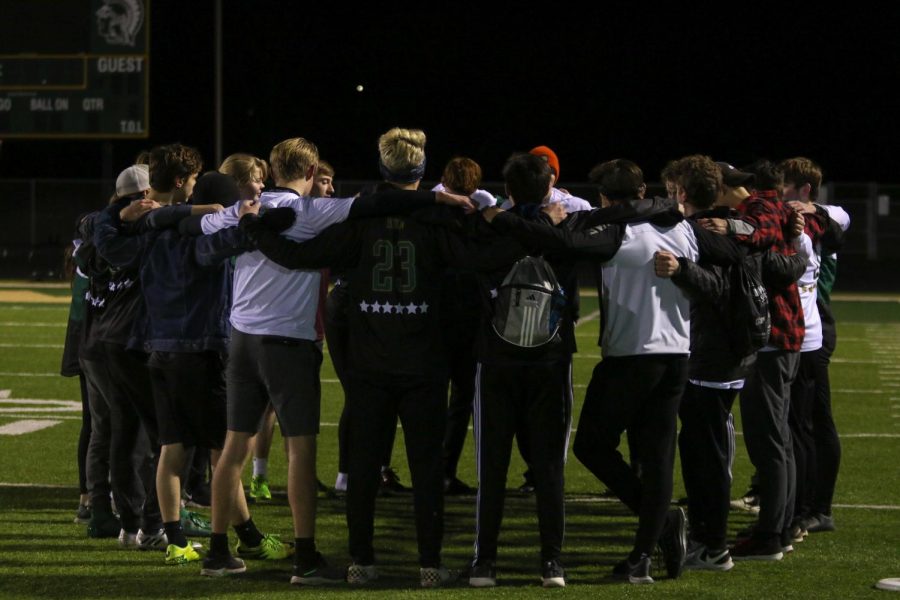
<point x="27" y="426"/>
<point x="32" y="346"/>
<point x="32" y="324"/>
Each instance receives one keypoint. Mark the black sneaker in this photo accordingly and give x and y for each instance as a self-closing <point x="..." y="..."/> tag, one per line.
<point x="483" y="574"/>
<point x="103" y="525"/>
<point x="638" y="572"/>
<point x="528" y="486"/>
<point x="455" y="487"/>
<point x="222" y="565"/>
<point x="83" y="514"/>
<point x="318" y="573"/>
<point x="673" y="542"/>
<point x="552" y="574"/>
<point x="819" y="523"/>
<point x="758" y="548"/>
<point x="390" y="483"/>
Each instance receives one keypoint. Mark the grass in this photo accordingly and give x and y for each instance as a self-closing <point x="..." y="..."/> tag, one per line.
<point x="44" y="555"/>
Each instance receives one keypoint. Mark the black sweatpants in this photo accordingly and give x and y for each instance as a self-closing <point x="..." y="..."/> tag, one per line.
<point x="641" y="393"/>
<point x="827" y="442"/>
<point x="803" y="392"/>
<point x="461" y="353"/>
<point x="374" y="402"/>
<point x="533" y="399"/>
<point x="118" y="450"/>
<point x="84" y="436"/>
<point x="337" y="335"/>
<point x="706" y="443"/>
<point x="130" y="383"/>
<point x="765" y="402"/>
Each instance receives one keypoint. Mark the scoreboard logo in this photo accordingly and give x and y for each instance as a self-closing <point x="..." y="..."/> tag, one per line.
<point x="119" y="21"/>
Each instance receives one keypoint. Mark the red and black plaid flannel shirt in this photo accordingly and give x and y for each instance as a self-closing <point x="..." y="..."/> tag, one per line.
<point x="772" y="220"/>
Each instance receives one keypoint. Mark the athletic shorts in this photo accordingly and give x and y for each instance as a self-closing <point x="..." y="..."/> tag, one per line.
<point x="189" y="395"/>
<point x="283" y="371"/>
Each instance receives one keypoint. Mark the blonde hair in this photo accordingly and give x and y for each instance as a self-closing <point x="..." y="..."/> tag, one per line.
<point x="292" y="158"/>
<point x="241" y="167"/>
<point x="324" y="169"/>
<point x="402" y="149"/>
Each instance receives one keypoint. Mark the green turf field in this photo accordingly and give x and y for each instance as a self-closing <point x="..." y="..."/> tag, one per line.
<point x="44" y="555"/>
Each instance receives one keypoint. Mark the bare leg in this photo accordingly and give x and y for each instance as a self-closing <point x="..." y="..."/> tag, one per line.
<point x="302" y="484"/>
<point x="227" y="491"/>
<point x="168" y="481"/>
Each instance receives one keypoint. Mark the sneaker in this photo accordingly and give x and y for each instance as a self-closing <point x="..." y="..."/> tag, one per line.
<point x="152" y="540"/>
<point x="638" y="572"/>
<point x="103" y="525"/>
<point x="455" y="487"/>
<point x="83" y="515"/>
<point x="432" y="577"/>
<point x="220" y="566"/>
<point x="199" y="498"/>
<point x="673" y="542"/>
<point x="259" y="488"/>
<point x="128" y="540"/>
<point x="798" y="532"/>
<point x="176" y="555"/>
<point x="709" y="560"/>
<point x="527" y="486"/>
<point x="390" y="483"/>
<point x="321" y="487"/>
<point x="361" y="574"/>
<point x="483" y="574"/>
<point x="820" y="523"/>
<point x="270" y="548"/>
<point x="318" y="573"/>
<point x="754" y="548"/>
<point x="749" y="502"/>
<point x="787" y="540"/>
<point x="552" y="574"/>
<point x="194" y="525"/>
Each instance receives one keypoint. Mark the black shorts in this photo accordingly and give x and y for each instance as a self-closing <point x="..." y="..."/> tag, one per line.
<point x="189" y="394"/>
<point x="283" y="371"/>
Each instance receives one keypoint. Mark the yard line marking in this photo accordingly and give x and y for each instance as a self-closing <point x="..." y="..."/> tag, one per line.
<point x="31" y="307"/>
<point x="5" y="394"/>
<point x="602" y="500"/>
<point x="44" y="417"/>
<point x="24" y="374"/>
<point x="587" y="319"/>
<point x="32" y="346"/>
<point x="850" y="361"/>
<point x="33" y="324"/>
<point x="39" y="405"/>
<point x="26" y="426"/>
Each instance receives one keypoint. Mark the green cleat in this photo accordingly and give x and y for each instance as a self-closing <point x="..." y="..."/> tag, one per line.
<point x="259" y="488"/>
<point x="175" y="555"/>
<point x="270" y="548"/>
<point x="194" y="524"/>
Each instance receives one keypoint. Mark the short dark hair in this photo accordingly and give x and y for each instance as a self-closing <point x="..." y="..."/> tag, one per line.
<point x="618" y="179"/>
<point x="527" y="178"/>
<point x="669" y="172"/>
<point x="172" y="161"/>
<point x="701" y="179"/>
<point x="769" y="176"/>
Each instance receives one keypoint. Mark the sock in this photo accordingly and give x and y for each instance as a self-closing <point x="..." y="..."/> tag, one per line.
<point x="175" y="533"/>
<point x="304" y="551"/>
<point x="260" y="467"/>
<point x="248" y="534"/>
<point x="218" y="544"/>
<point x="340" y="484"/>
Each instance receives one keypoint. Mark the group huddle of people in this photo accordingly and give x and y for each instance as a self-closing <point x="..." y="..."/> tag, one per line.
<point x="200" y="306"/>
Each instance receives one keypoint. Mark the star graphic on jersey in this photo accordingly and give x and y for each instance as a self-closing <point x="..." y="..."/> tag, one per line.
<point x="364" y="306"/>
<point x="411" y="308"/>
<point x="398" y="308"/>
<point x="423" y="308"/>
<point x="376" y="307"/>
<point x="387" y="307"/>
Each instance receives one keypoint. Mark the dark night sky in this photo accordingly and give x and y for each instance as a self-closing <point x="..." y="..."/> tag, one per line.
<point x="593" y="84"/>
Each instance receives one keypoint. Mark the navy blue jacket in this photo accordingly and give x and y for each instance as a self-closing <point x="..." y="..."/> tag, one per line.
<point x="186" y="281"/>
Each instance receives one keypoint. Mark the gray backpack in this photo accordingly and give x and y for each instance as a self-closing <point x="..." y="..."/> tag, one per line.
<point x="529" y="304"/>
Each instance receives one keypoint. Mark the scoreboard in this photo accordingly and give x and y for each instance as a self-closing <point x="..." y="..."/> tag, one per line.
<point x="74" y="69"/>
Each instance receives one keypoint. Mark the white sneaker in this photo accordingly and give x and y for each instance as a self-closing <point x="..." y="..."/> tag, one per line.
<point x="709" y="560"/>
<point x="128" y="540"/>
<point x="361" y="574"/>
<point x="152" y="540"/>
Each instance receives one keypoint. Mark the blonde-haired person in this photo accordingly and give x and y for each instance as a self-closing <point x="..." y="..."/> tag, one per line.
<point x="274" y="356"/>
<point x="249" y="171"/>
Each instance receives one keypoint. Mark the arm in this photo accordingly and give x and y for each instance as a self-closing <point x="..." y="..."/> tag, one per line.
<point x="600" y="242"/>
<point x="336" y="246"/>
<point x="119" y="250"/>
<point x="699" y="283"/>
<point x="780" y="271"/>
<point x="716" y="249"/>
<point x="402" y="202"/>
<point x="165" y="217"/>
<point x="210" y="250"/>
